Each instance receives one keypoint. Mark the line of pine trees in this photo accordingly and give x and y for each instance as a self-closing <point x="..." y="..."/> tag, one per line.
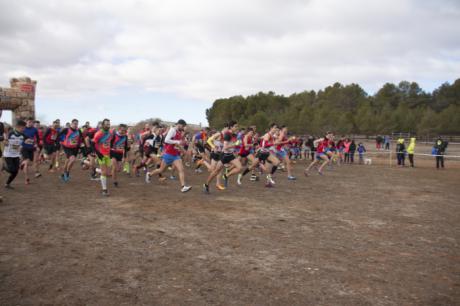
<point x="348" y="109"/>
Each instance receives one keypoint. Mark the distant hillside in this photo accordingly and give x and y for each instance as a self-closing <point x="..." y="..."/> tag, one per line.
<point x="348" y="109"/>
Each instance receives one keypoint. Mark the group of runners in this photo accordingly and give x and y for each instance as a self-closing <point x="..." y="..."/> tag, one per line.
<point x="106" y="152"/>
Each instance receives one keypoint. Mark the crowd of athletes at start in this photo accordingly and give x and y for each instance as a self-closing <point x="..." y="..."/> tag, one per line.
<point x="107" y="151"/>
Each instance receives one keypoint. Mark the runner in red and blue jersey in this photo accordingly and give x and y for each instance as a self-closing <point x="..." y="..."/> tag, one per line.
<point x="119" y="150"/>
<point x="247" y="152"/>
<point x="322" y="148"/>
<point x="173" y="147"/>
<point x="267" y="152"/>
<point x="281" y="151"/>
<point x="50" y="148"/>
<point x="71" y="140"/>
<point x="102" y="146"/>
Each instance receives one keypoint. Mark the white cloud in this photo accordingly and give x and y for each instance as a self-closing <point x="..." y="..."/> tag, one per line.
<point x="209" y="49"/>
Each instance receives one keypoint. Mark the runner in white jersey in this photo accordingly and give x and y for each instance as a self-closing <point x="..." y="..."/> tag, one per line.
<point x="12" y="155"/>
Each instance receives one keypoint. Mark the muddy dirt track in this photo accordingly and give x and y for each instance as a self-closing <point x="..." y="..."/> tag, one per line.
<point x="359" y="235"/>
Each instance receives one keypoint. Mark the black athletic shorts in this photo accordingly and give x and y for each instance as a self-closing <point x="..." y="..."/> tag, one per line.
<point x="150" y="151"/>
<point x="12" y="164"/>
<point x="70" y="151"/>
<point x="227" y="158"/>
<point x="116" y="155"/>
<point x="199" y="148"/>
<point x="262" y="156"/>
<point x="28" y="154"/>
<point x="84" y="151"/>
<point x="216" y="156"/>
<point x="49" y="149"/>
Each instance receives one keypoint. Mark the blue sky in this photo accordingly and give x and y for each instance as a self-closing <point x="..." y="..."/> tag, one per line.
<point x="134" y="59"/>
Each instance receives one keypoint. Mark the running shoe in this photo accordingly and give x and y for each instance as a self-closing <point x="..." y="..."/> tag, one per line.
<point x="185" y="189"/>
<point x="206" y="188"/>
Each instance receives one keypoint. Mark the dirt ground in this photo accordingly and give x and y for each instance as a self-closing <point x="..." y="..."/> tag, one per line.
<point x="359" y="235"/>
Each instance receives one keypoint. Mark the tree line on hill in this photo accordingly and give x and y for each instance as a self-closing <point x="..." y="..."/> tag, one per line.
<point x="348" y="109"/>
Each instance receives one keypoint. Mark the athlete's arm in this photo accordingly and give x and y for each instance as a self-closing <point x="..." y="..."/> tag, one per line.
<point x="211" y="139"/>
<point x="87" y="141"/>
<point x="169" y="137"/>
<point x="317" y="141"/>
<point x="126" y="149"/>
<point x="245" y="142"/>
<point x="62" y="133"/>
<point x="192" y="143"/>
<point x="97" y="137"/>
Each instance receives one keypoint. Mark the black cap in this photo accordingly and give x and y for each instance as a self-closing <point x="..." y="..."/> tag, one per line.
<point x="182" y="122"/>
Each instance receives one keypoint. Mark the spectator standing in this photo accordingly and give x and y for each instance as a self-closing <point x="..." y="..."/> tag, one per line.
<point x="400" y="152"/>
<point x="411" y="151"/>
<point x="387" y="142"/>
<point x="361" y="151"/>
<point x="352" y="151"/>
<point x="439" y="149"/>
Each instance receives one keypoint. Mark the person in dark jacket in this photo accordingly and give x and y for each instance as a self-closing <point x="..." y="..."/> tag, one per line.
<point x="352" y="151"/>
<point x="401" y="152"/>
<point x="310" y="143"/>
<point x="439" y="149"/>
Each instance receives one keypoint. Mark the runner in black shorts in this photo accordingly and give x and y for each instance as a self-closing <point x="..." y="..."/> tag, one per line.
<point x="29" y="147"/>
<point x="50" y="141"/>
<point x="227" y="157"/>
<point x="118" y="150"/>
<point x="71" y="145"/>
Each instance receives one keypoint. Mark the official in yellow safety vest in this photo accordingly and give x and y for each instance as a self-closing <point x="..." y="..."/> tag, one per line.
<point x="411" y="151"/>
